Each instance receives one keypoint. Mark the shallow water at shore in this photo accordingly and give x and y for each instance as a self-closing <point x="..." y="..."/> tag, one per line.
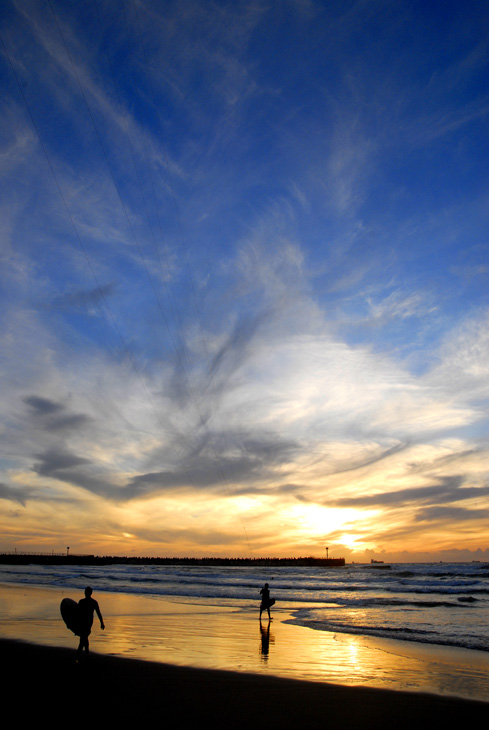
<point x="198" y="633"/>
<point x="433" y="603"/>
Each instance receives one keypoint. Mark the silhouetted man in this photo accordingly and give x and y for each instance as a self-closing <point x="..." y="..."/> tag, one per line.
<point x="266" y="601"/>
<point x="87" y="606"/>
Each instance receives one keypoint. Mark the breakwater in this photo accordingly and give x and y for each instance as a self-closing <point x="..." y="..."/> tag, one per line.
<point x="63" y="559"/>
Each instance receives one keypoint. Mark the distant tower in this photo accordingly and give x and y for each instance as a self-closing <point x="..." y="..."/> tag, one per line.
<point x="67" y="551"/>
<point x="327" y="553"/>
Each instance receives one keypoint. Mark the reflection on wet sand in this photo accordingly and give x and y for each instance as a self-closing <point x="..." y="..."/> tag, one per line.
<point x="266" y="637"/>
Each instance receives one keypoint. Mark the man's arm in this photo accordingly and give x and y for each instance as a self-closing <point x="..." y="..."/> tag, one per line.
<point x="97" y="609"/>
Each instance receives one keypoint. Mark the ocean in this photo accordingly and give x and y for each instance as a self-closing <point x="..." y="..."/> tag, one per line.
<point x="441" y="604"/>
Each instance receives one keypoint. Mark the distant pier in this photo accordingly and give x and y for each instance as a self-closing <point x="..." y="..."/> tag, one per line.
<point x="72" y="559"/>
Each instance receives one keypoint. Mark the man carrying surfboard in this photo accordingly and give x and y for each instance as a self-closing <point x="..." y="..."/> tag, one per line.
<point x="86" y="607"/>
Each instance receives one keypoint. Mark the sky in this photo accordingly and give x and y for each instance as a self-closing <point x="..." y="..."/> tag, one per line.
<point x="245" y="278"/>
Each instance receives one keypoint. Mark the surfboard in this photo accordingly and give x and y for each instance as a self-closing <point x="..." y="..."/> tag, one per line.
<point x="70" y="613"/>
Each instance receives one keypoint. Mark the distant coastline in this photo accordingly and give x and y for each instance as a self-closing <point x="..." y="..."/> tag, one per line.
<point x="63" y="559"/>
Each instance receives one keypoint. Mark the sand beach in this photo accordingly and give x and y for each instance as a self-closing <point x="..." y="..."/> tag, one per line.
<point x="119" y="691"/>
<point x="196" y="660"/>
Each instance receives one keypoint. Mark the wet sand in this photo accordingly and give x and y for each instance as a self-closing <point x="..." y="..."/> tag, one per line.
<point x="263" y="661"/>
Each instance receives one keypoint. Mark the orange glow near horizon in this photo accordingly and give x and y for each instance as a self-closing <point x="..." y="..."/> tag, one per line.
<point x="200" y="525"/>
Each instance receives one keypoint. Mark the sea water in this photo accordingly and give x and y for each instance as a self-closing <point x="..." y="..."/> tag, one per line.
<point x="431" y="603"/>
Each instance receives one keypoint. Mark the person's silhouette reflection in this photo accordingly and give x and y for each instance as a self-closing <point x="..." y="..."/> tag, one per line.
<point x="86" y="608"/>
<point x="265" y="640"/>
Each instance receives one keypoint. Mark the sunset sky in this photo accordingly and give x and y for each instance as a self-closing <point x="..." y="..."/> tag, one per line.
<point x="245" y="278"/>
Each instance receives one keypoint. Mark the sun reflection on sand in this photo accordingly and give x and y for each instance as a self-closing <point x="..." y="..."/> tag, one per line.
<point x="354" y="653"/>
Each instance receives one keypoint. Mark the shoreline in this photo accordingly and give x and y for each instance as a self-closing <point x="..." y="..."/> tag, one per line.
<point x="201" y="635"/>
<point x="126" y="690"/>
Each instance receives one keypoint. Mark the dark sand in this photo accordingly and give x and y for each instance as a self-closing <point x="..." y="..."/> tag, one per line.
<point x="44" y="683"/>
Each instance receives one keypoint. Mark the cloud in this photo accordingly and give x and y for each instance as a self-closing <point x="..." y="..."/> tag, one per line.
<point x="53" y="415"/>
<point x="42" y="406"/>
<point x="449" y="489"/>
<point x="183" y="536"/>
<point x="286" y="391"/>
<point x="463" y="358"/>
<point x="229" y="464"/>
<point x="400" y="305"/>
<point x="52" y="462"/>
<point x="451" y="514"/>
<point x="63" y="465"/>
<point x="16" y="494"/>
<point x="83" y="299"/>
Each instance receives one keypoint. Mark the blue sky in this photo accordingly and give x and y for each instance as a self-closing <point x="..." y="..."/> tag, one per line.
<point x="245" y="277"/>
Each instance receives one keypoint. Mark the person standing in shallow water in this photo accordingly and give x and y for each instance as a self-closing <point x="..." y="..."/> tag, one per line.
<point x="87" y="606"/>
<point x="265" y="601"/>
